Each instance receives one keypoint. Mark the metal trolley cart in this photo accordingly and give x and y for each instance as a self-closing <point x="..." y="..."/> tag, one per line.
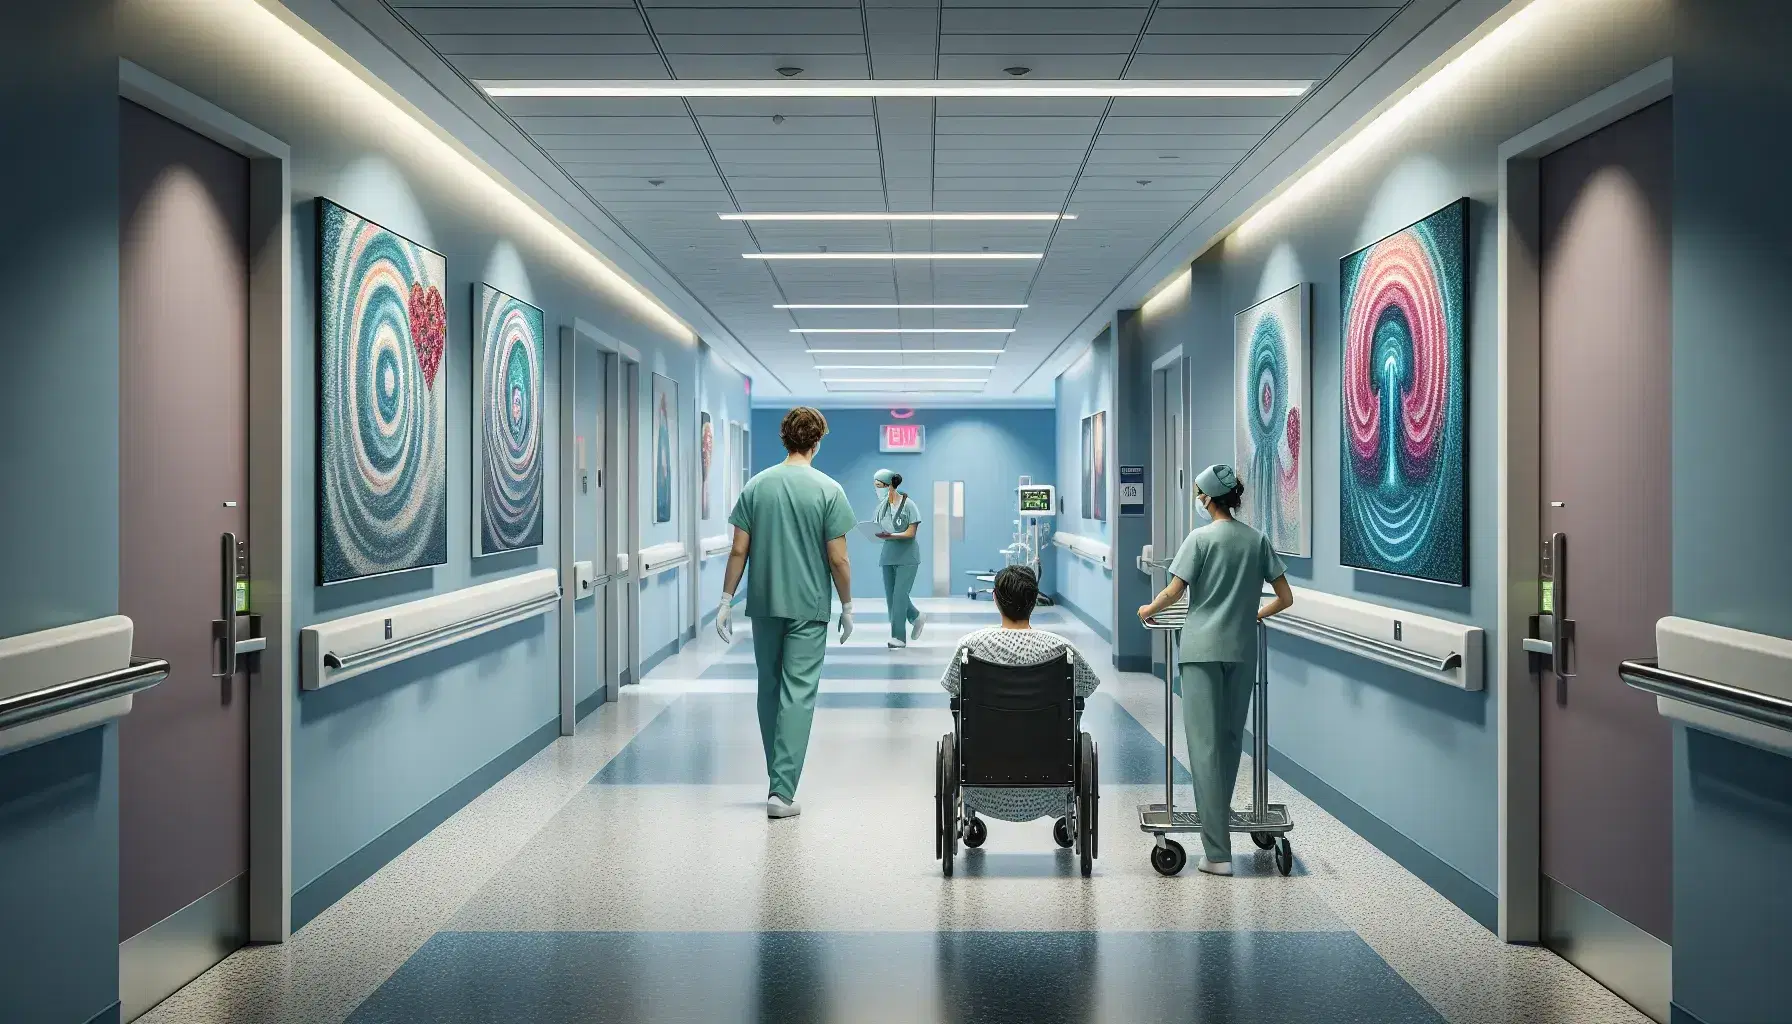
<point x="1267" y="823"/>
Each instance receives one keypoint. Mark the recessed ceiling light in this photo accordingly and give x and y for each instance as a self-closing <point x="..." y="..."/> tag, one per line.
<point x="922" y="88"/>
<point x="902" y="330"/>
<point x="892" y="255"/>
<point x="905" y="380"/>
<point x="905" y="350"/>
<point x="897" y="305"/>
<point x="873" y="366"/>
<point x="897" y="216"/>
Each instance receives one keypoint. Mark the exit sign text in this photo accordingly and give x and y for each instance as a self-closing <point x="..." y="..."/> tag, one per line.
<point x="909" y="438"/>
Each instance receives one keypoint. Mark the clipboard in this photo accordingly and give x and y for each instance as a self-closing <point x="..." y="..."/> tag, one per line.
<point x="870" y="530"/>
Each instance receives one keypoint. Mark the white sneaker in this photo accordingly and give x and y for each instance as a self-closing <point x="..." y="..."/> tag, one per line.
<point x="896" y="644"/>
<point x="778" y="807"/>
<point x="1222" y="868"/>
<point x="914" y="631"/>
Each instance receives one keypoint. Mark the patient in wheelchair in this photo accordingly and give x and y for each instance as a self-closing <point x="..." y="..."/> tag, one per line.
<point x="1016" y="642"/>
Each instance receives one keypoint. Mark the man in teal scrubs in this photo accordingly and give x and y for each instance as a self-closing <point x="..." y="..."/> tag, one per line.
<point x="790" y="526"/>
<point x="898" y="518"/>
<point x="1222" y="567"/>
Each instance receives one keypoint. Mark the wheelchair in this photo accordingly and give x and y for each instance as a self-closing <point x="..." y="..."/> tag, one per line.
<point x="1016" y="727"/>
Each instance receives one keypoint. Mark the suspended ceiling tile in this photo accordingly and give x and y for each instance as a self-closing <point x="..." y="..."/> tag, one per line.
<point x="515" y="67"/>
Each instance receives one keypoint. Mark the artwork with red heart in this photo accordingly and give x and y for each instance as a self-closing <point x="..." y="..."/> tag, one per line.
<point x="429" y="330"/>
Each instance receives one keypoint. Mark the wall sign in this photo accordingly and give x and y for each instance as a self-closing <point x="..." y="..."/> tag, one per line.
<point x="903" y="438"/>
<point x="1132" y="490"/>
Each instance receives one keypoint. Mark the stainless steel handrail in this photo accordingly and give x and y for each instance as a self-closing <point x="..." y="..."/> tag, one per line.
<point x="25" y="708"/>
<point x="1646" y="674"/>
<point x="333" y="660"/>
<point x="1419" y="659"/>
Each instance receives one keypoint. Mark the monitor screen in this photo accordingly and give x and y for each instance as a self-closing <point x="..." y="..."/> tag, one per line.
<point x="1037" y="500"/>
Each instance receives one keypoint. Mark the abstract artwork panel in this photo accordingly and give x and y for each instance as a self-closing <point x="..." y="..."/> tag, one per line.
<point x="1404" y="326"/>
<point x="382" y="415"/>
<point x="1095" y="467"/>
<point x="508" y="348"/>
<point x="665" y="447"/>
<point x="706" y="448"/>
<point x="1270" y="401"/>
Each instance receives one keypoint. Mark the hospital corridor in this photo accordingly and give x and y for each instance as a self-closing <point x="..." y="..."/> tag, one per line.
<point x="895" y="512"/>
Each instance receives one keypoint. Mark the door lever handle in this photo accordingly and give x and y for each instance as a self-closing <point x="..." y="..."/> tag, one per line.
<point x="224" y="626"/>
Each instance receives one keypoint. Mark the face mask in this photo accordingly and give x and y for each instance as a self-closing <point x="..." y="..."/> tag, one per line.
<point x="883" y="493"/>
<point x="1202" y="510"/>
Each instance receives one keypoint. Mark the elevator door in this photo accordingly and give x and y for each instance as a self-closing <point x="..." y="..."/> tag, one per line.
<point x="1606" y="471"/>
<point x="183" y="467"/>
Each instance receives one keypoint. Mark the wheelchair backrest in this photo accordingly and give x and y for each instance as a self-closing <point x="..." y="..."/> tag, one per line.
<point x="1017" y="723"/>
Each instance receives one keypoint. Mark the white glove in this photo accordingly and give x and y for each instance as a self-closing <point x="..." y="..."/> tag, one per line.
<point x="845" y="621"/>
<point x="724" y="620"/>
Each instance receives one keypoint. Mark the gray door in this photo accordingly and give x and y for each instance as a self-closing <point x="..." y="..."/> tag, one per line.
<point x="630" y="585"/>
<point x="1607" y="758"/>
<point x="588" y="530"/>
<point x="1169" y="472"/>
<point x="183" y="465"/>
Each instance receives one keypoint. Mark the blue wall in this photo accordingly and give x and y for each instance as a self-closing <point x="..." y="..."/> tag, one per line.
<point x="1086" y="388"/>
<point x="989" y="449"/>
<point x="1409" y="763"/>
<point x="726" y="399"/>
<point x="377" y="760"/>
<point x="59" y="538"/>
<point x="1732" y="358"/>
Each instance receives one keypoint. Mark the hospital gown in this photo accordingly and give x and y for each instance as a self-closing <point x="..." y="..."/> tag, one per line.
<point x="1019" y="647"/>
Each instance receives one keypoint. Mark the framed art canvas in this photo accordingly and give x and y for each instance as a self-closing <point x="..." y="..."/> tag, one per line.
<point x="1095" y="466"/>
<point x="508" y="347"/>
<point x="1404" y="381"/>
<point x="706" y="449"/>
<point x="665" y="447"/>
<point x="1271" y="398"/>
<point x="382" y="460"/>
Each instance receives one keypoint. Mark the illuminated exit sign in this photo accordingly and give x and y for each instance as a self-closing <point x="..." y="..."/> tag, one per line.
<point x="907" y="438"/>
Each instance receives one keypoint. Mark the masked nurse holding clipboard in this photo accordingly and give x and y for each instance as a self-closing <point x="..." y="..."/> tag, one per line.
<point x="898" y="519"/>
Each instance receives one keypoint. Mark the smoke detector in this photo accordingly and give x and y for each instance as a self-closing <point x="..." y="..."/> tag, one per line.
<point x="790" y="72"/>
<point x="1017" y="71"/>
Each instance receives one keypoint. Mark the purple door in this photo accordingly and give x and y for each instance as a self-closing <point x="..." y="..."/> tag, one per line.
<point x="1606" y="754"/>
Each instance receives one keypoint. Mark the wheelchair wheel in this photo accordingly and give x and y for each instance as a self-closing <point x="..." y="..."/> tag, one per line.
<point x="1061" y="833"/>
<point x="1088" y="805"/>
<point x="945" y="803"/>
<point x="975" y="832"/>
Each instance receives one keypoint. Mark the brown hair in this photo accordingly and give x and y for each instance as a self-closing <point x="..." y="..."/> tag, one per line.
<point x="802" y="429"/>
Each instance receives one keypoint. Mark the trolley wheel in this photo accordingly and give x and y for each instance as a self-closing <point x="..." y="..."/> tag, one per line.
<point x="971" y="592"/>
<point x="1168" y="858"/>
<point x="1061" y="833"/>
<point x="1284" y="855"/>
<point x="975" y="832"/>
<point x="1264" y="840"/>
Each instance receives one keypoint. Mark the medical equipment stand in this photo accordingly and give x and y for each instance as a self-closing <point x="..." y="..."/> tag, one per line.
<point x="1267" y="823"/>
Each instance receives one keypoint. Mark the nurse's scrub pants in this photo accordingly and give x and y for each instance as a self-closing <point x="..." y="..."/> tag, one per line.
<point x="1216" y="697"/>
<point x="899" y="581"/>
<point x="788" y="653"/>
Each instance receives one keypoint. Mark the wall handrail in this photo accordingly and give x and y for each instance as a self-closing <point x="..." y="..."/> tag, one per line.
<point x="720" y="544"/>
<point x="663" y="558"/>
<point x="1646" y="674"/>
<point x="1291" y="623"/>
<point x="442" y="634"/>
<point x="75" y="694"/>
<point x="1085" y="547"/>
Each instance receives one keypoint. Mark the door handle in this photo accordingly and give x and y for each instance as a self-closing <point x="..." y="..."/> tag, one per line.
<point x="224" y="627"/>
<point x="1563" y="662"/>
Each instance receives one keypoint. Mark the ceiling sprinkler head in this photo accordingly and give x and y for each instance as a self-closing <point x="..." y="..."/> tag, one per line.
<point x="656" y="182"/>
<point x="790" y="72"/>
<point x="777" y="118"/>
<point x="1143" y="181"/>
<point x="1017" y="71"/>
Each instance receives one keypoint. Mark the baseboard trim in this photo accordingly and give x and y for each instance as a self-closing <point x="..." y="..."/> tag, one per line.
<point x="110" y="1015"/>
<point x="1451" y="884"/>
<point x="589" y="704"/>
<point x="1678" y="1014"/>
<point x="1132" y="662"/>
<point x="1102" y="631"/>
<point x="652" y="661"/>
<point x="359" y="866"/>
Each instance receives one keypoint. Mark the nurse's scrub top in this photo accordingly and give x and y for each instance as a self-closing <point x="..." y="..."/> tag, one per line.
<point x="790" y="513"/>
<point x="1225" y="565"/>
<point x="895" y="519"/>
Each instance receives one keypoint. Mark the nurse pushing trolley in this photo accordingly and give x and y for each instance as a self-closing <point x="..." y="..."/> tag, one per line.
<point x="1222" y="567"/>
<point x="790" y="527"/>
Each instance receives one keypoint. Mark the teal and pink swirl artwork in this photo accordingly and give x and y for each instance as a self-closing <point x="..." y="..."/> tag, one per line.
<point x="1405" y="315"/>
<point x="507" y="436"/>
<point x="1271" y="396"/>
<point x="382" y="420"/>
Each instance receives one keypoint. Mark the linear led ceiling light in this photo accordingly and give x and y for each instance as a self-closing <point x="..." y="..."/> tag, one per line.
<point x="895" y="305"/>
<point x="905" y="380"/>
<point x="902" y="330"/>
<point x="892" y="255"/>
<point x="898" y="216"/>
<point x="919" y="89"/>
<point x="906" y="351"/>
<point x="904" y="366"/>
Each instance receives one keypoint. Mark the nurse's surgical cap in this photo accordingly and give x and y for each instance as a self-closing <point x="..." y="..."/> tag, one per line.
<point x="885" y="476"/>
<point x="1216" y="480"/>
